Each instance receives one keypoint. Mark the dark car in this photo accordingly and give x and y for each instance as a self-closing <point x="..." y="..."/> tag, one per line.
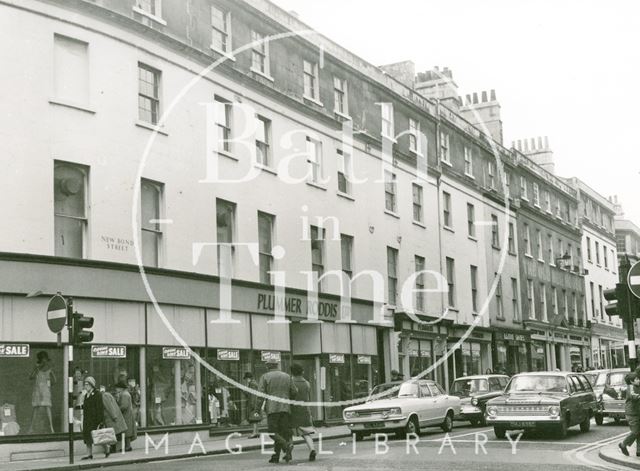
<point x="611" y="393"/>
<point x="543" y="401"/>
<point x="474" y="392"/>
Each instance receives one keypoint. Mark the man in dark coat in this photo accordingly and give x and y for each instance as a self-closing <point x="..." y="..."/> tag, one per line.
<point x="632" y="413"/>
<point x="278" y="384"/>
<point x="93" y="415"/>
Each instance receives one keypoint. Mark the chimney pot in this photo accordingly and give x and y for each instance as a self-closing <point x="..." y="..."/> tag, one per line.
<point x="493" y="95"/>
<point x="475" y="98"/>
<point x="484" y="96"/>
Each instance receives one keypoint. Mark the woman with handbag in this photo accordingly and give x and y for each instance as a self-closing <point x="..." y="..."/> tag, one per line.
<point x="93" y="415"/>
<point x="301" y="420"/>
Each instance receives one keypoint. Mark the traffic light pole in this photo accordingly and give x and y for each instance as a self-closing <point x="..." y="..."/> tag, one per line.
<point x="625" y="266"/>
<point x="70" y="379"/>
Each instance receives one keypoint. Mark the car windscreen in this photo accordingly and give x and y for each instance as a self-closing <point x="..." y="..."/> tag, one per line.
<point x="466" y="387"/>
<point x="408" y="390"/>
<point x="385" y="391"/>
<point x="537" y="384"/>
<point x="602" y="379"/>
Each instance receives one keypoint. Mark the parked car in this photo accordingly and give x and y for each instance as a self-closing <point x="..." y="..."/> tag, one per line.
<point x="611" y="394"/>
<point x="418" y="404"/>
<point x="474" y="392"/>
<point x="543" y="400"/>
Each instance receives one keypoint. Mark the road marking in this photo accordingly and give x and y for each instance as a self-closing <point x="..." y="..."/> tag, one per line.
<point x="578" y="455"/>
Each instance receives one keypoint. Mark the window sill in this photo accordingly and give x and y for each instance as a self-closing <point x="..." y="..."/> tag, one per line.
<point x="151" y="127"/>
<point x="447" y="163"/>
<point x="450" y="229"/>
<point x="419" y="224"/>
<point x="389" y="138"/>
<point x="495" y="247"/>
<point x="469" y="176"/>
<point x="513" y="254"/>
<point x="541" y="260"/>
<point x="501" y="318"/>
<point x="470" y="237"/>
<point x="537" y="205"/>
<point x="262" y="74"/>
<point x="72" y="105"/>
<point x="222" y="53"/>
<point x="317" y="185"/>
<point x="528" y="256"/>
<point x="313" y="100"/>
<point x="346" y="196"/>
<point x="227" y="154"/>
<point x="342" y="115"/>
<point x="453" y="309"/>
<point x="155" y="18"/>
<point x="264" y="168"/>
<point x="391" y="213"/>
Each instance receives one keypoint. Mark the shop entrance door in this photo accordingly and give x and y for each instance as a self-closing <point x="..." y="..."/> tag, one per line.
<point x="337" y="387"/>
<point x="311" y="367"/>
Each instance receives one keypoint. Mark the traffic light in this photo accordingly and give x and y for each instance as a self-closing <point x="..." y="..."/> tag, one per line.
<point x="618" y="299"/>
<point x="80" y="323"/>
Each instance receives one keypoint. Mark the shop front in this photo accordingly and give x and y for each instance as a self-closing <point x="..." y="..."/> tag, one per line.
<point x="171" y="387"/>
<point x="607" y="346"/>
<point x="472" y="356"/>
<point x="420" y="347"/>
<point x="511" y="351"/>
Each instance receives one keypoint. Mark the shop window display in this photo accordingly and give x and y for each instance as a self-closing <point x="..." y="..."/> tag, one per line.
<point x="421" y="358"/>
<point x="174" y="389"/>
<point x="338" y="388"/>
<point x="32" y="402"/>
<point x="538" y="360"/>
<point x="365" y="374"/>
<point x="227" y="404"/>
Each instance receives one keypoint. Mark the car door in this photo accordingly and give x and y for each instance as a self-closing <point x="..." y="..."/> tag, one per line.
<point x="426" y="412"/>
<point x="575" y="401"/>
<point x="440" y="404"/>
<point x="584" y="391"/>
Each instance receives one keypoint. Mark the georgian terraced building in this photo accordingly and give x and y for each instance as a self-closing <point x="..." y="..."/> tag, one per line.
<point x="299" y="159"/>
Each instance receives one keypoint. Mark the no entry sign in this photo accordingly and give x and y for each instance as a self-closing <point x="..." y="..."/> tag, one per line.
<point x="57" y="314"/>
<point x="633" y="279"/>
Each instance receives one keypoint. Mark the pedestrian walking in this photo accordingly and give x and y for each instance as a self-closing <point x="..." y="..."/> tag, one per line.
<point x="113" y="417"/>
<point x="93" y="415"/>
<point x="125" y="403"/>
<point x="276" y="385"/>
<point x="632" y="413"/>
<point x="301" y="420"/>
<point x="252" y="403"/>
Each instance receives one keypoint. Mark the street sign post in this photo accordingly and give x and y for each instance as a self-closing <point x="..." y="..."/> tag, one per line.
<point x="57" y="313"/>
<point x="633" y="279"/>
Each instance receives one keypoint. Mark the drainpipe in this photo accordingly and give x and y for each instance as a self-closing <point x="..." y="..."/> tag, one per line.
<point x="440" y="255"/>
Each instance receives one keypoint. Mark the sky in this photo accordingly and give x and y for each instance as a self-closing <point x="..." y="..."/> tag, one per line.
<point x="566" y="69"/>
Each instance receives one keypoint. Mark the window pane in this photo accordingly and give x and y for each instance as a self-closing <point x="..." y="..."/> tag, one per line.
<point x="150" y="242"/>
<point x="69" y="233"/>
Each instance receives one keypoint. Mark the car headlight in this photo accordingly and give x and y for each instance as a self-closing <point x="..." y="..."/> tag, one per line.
<point x="554" y="411"/>
<point x="492" y="411"/>
<point x="474" y="401"/>
<point x="349" y="414"/>
<point x="395" y="411"/>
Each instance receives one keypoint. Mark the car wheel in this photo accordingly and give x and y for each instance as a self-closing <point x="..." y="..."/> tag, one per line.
<point x="599" y="419"/>
<point x="359" y="436"/>
<point x="447" y="424"/>
<point x="585" y="425"/>
<point x="562" y="428"/>
<point x="412" y="427"/>
<point x="500" y="432"/>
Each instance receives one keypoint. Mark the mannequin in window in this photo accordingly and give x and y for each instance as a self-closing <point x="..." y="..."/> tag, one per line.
<point x="189" y="396"/>
<point x="41" y="396"/>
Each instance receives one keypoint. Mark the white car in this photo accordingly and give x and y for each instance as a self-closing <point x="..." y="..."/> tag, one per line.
<point x="418" y="403"/>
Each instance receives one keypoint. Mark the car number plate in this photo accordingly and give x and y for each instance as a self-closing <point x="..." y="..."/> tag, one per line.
<point x="374" y="425"/>
<point x="522" y="424"/>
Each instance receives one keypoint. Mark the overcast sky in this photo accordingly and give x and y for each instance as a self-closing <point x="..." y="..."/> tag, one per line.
<point x="565" y="69"/>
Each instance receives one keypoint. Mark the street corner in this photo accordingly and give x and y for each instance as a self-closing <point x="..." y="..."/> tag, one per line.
<point x="612" y="454"/>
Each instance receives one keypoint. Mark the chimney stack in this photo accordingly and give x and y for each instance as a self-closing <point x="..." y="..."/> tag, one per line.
<point x="484" y="113"/>
<point x="538" y="150"/>
<point x="438" y="84"/>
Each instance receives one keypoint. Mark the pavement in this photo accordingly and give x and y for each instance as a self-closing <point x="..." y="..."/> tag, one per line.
<point x="154" y="449"/>
<point x="612" y="454"/>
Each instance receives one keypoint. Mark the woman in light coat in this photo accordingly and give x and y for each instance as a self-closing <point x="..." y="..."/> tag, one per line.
<point x="125" y="404"/>
<point x="113" y="417"/>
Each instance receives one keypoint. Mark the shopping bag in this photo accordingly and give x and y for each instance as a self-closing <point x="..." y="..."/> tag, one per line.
<point x="104" y="436"/>
<point x="255" y="417"/>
